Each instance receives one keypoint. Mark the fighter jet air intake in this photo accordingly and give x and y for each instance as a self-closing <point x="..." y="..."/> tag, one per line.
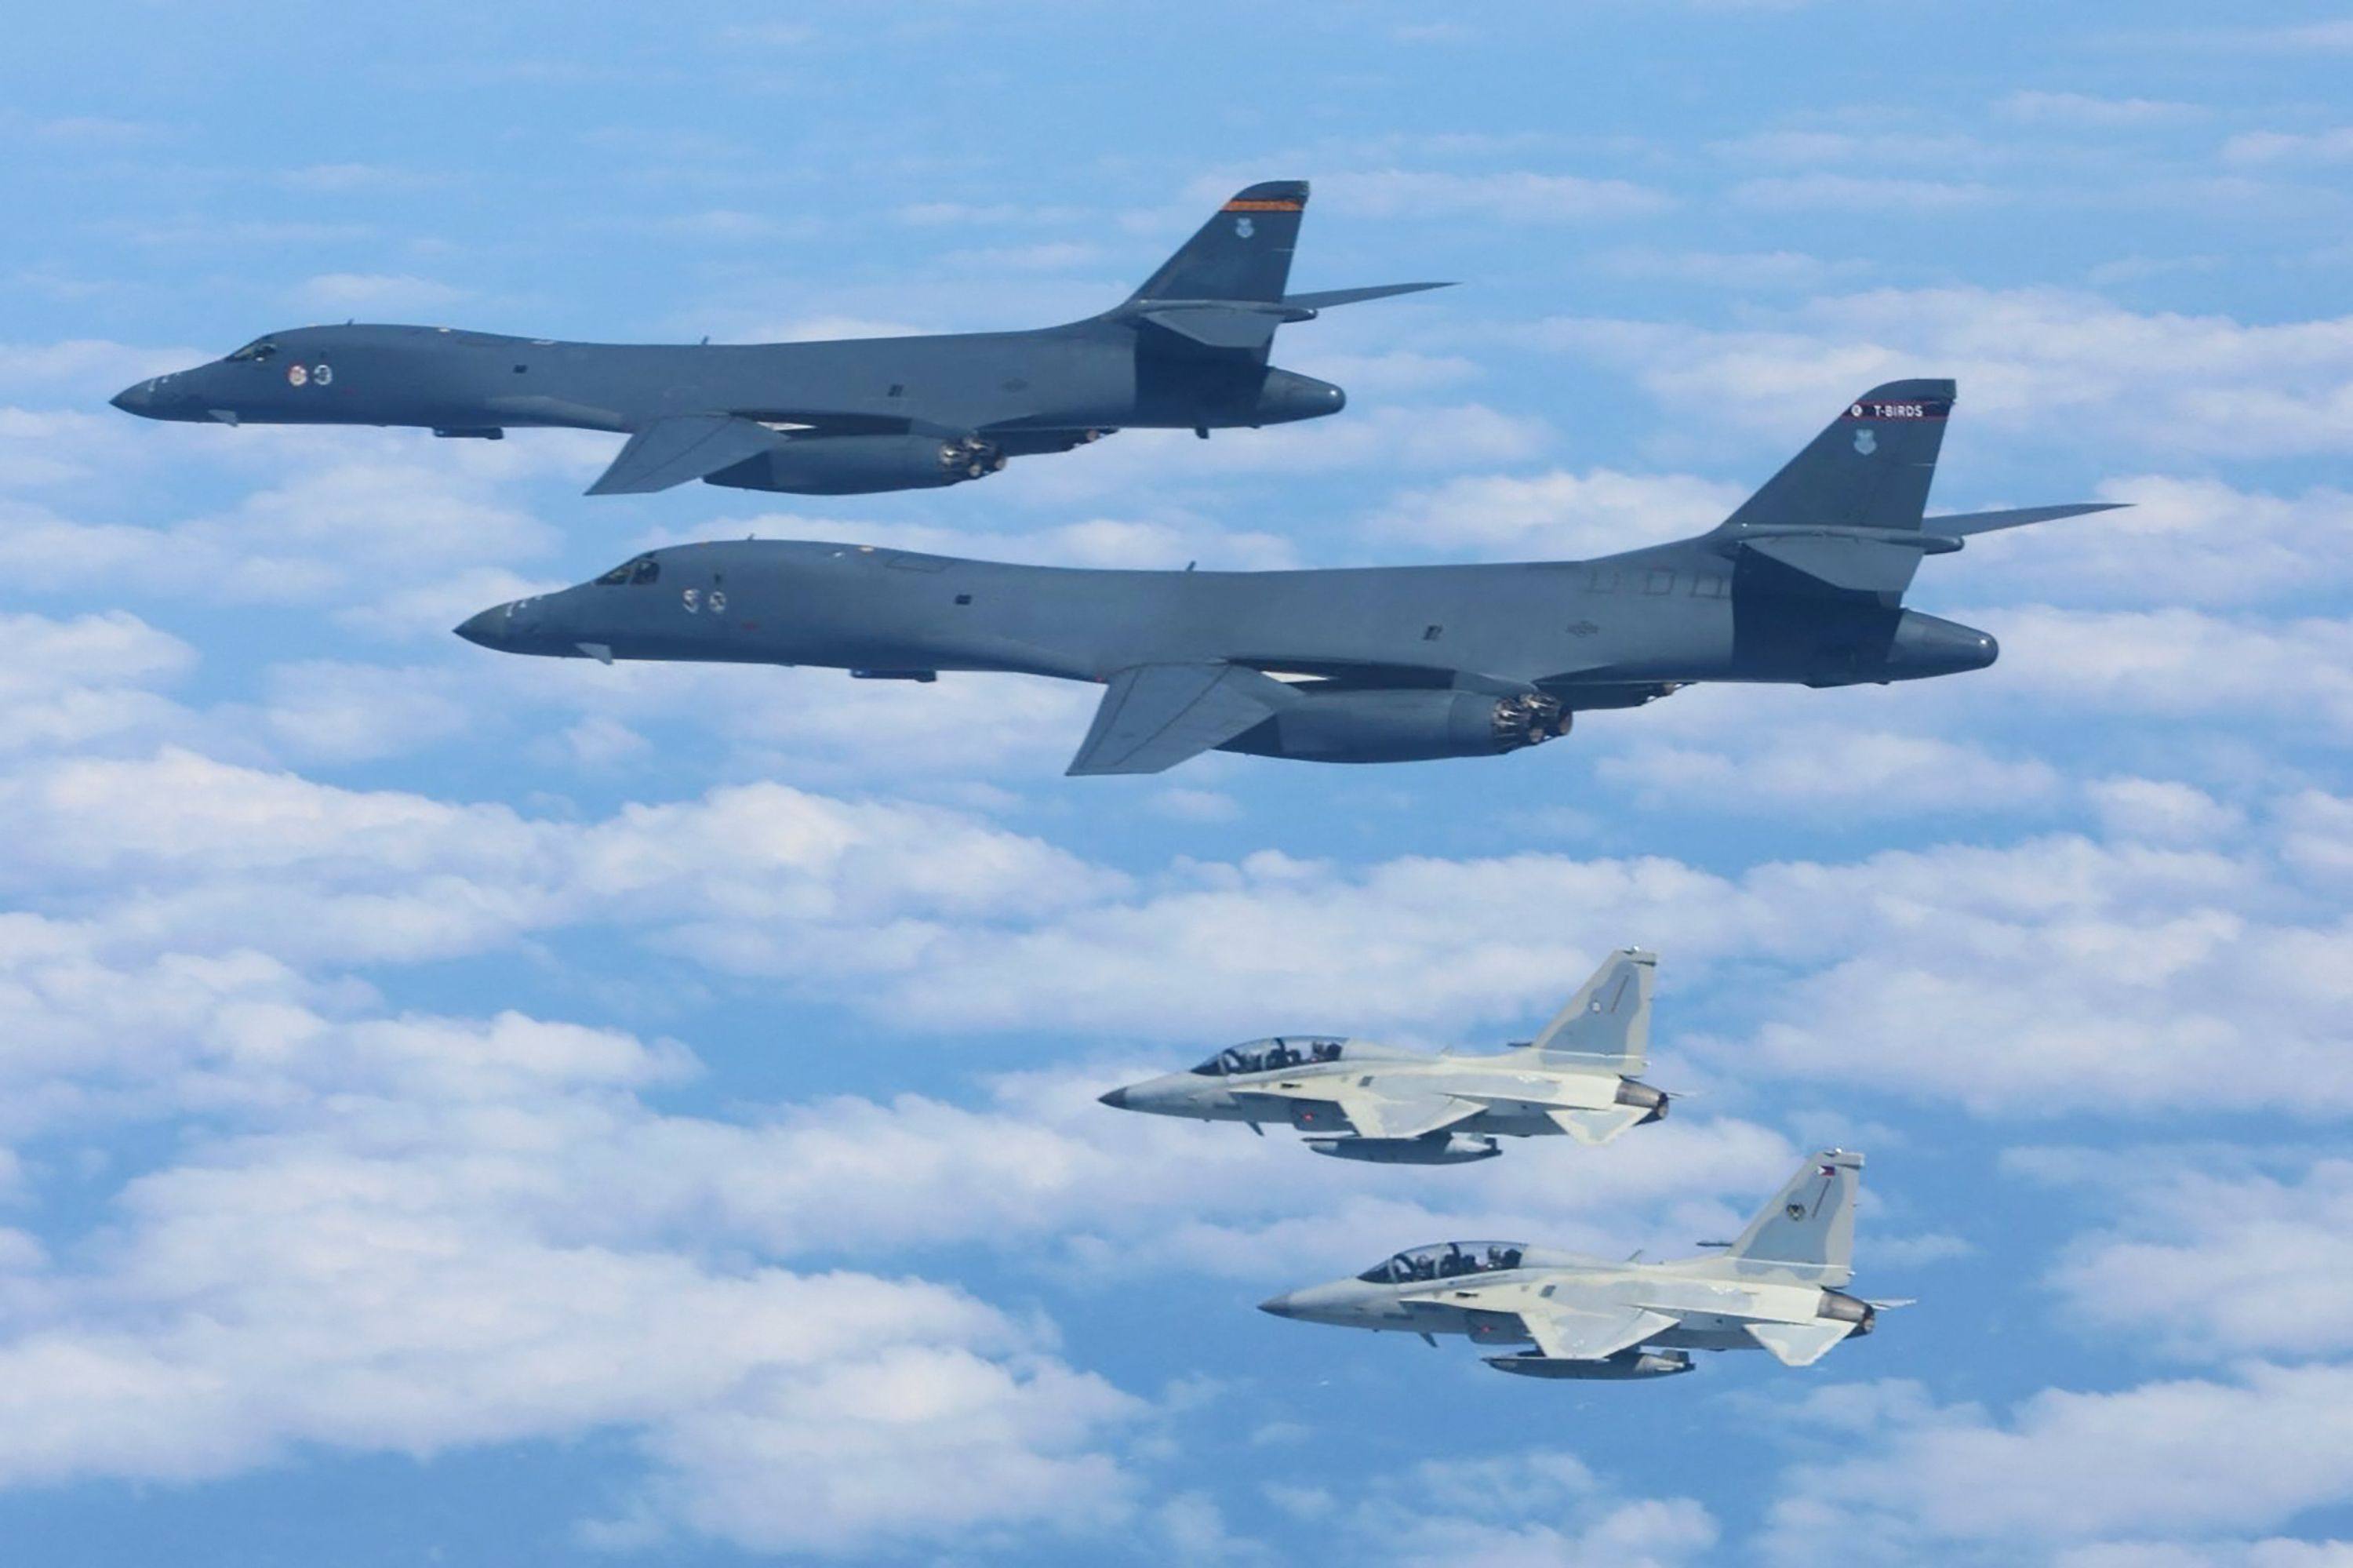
<point x="1188" y="350"/>
<point x="1802" y="584"/>
<point x="1357" y="1099"/>
<point x="1775" y="1289"/>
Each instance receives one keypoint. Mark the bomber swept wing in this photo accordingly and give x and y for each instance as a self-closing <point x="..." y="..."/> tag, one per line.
<point x="1154" y="716"/>
<point x="685" y="447"/>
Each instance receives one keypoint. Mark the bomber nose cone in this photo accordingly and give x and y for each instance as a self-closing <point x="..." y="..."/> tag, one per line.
<point x="1988" y="649"/>
<point x="483" y="629"/>
<point x="1115" y="1098"/>
<point x="1278" y="1304"/>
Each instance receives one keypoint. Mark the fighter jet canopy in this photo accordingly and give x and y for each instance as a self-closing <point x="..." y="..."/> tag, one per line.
<point x="1444" y="1261"/>
<point x="1271" y="1056"/>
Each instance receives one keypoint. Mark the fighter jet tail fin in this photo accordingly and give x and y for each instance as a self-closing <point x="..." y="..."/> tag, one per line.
<point x="1608" y="1022"/>
<point x="1242" y="253"/>
<point x="1807" y="1232"/>
<point x="1870" y="468"/>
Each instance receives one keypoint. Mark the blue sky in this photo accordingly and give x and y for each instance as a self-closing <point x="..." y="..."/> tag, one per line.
<point x="471" y="1110"/>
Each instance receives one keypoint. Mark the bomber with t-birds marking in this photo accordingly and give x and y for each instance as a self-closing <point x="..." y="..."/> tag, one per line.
<point x="1803" y="584"/>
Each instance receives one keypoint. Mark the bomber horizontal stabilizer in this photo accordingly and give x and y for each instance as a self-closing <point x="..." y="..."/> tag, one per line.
<point x="1328" y="298"/>
<point x="685" y="447"/>
<point x="1959" y="524"/>
<point x="1154" y="716"/>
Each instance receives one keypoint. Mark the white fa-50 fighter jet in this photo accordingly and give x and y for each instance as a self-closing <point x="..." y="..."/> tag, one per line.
<point x="1357" y="1099"/>
<point x="1776" y="1289"/>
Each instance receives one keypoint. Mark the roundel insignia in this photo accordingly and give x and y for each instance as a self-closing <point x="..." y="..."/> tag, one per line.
<point x="297" y="374"/>
<point x="1245" y="227"/>
<point x="322" y="373"/>
<point x="1795" y="1210"/>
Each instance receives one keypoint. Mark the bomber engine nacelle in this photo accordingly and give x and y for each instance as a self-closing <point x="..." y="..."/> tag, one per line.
<point x="862" y="465"/>
<point x="1408" y="725"/>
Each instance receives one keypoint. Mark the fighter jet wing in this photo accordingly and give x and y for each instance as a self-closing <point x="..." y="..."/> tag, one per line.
<point x="1798" y="1344"/>
<point x="1376" y="1115"/>
<point x="1154" y="716"/>
<point x="684" y="447"/>
<point x="1578" y="1334"/>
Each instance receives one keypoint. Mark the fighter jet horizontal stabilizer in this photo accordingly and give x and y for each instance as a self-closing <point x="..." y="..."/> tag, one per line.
<point x="1800" y="1344"/>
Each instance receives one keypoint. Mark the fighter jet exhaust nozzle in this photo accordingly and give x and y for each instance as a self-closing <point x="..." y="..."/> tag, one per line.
<point x="1409" y="724"/>
<point x="1625" y="1366"/>
<point x="1839" y="1307"/>
<point x="1429" y="1148"/>
<point x="1653" y="1101"/>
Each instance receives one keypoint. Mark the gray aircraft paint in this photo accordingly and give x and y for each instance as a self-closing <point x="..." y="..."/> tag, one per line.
<point x="1776" y="1289"/>
<point x="1359" y="1099"/>
<point x="1803" y="584"/>
<point x="1188" y="350"/>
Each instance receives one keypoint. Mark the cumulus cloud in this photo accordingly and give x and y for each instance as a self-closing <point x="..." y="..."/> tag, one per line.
<point x="2036" y="360"/>
<point x="388" y="1262"/>
<point x="2184" y="1460"/>
<point x="2214" y="1255"/>
<point x="1556" y="515"/>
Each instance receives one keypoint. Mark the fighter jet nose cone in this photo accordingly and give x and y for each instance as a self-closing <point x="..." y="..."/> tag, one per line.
<point x="1115" y="1098"/>
<point x="1278" y="1304"/>
<point x="479" y="630"/>
<point x="131" y="399"/>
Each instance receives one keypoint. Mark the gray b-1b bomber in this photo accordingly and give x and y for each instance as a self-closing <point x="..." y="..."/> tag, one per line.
<point x="1358" y="1099"/>
<point x="1803" y="583"/>
<point x="1188" y="350"/>
<point x="1776" y="1289"/>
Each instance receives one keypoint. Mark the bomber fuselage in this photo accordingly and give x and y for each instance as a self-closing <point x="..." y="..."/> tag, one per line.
<point x="1629" y="623"/>
<point x="1090" y="374"/>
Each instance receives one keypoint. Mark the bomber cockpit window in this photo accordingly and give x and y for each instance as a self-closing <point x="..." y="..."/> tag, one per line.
<point x="1272" y="1055"/>
<point x="259" y="349"/>
<point x="638" y="569"/>
<point x="1445" y="1261"/>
